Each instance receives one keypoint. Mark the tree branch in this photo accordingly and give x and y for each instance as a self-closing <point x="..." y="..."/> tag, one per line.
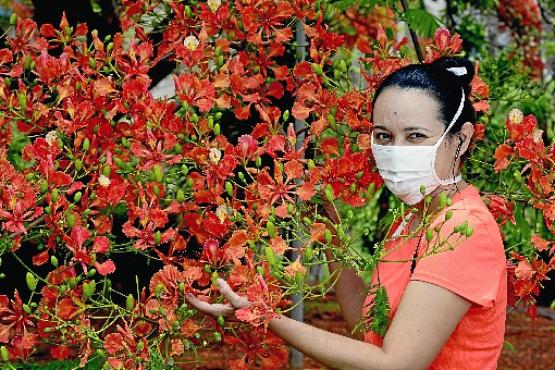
<point x="413" y="35"/>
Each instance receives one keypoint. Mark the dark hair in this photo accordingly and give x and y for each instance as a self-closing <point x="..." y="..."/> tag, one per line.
<point x="441" y="84"/>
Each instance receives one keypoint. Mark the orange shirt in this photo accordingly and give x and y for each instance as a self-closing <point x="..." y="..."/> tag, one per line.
<point x="475" y="269"/>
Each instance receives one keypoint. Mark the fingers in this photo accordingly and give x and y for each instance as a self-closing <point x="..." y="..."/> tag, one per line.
<point x="214" y="309"/>
<point x="236" y="300"/>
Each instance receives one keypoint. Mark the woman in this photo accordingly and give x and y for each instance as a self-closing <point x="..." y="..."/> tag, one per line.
<point x="447" y="308"/>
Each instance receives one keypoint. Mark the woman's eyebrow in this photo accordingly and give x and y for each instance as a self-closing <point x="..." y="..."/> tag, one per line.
<point x="416" y="128"/>
<point x="379" y="127"/>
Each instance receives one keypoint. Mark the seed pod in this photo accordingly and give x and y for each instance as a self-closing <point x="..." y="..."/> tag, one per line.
<point x="31" y="281"/>
<point x="270" y="227"/>
<point x="129" y="302"/>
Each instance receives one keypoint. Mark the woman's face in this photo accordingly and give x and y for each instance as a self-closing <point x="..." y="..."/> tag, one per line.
<point x="412" y="117"/>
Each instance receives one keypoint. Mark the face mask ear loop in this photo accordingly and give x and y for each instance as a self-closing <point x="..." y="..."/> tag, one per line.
<point x="455" y="162"/>
<point x="451" y="124"/>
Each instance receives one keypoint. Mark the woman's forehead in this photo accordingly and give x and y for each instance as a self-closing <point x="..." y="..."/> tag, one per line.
<point x="405" y="109"/>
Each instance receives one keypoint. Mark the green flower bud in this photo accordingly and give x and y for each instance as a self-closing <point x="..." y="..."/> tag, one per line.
<point x="5" y="354"/>
<point x="159" y="290"/>
<point x="270" y="255"/>
<point x="86" y="144"/>
<point x="129" y="302"/>
<point x="70" y="219"/>
<point x="270" y="227"/>
<point x="31" y="281"/>
<point x="157" y="173"/>
<point x="43" y="187"/>
<point x="317" y="69"/>
<point x="221" y="321"/>
<point x="77" y="197"/>
<point x="78" y="165"/>
<point x="328" y="236"/>
<point x="13" y="21"/>
<point x="92" y="63"/>
<point x="285" y="115"/>
<point x="180" y="196"/>
<point x="429" y="235"/>
<point x="89" y="288"/>
<point x="22" y="96"/>
<point x="229" y="188"/>
<point x="217" y="129"/>
<point x="448" y="215"/>
<point x="328" y="191"/>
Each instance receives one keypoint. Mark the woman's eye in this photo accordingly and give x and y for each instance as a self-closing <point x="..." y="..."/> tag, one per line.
<point x="381" y="136"/>
<point x="417" y="135"/>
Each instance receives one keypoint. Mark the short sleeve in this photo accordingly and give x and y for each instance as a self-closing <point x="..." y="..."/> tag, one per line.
<point x="473" y="269"/>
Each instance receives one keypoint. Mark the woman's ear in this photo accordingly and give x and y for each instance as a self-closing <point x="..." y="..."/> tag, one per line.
<point x="465" y="135"/>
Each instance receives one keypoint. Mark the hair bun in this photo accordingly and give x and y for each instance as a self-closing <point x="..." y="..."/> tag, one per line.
<point x="461" y="69"/>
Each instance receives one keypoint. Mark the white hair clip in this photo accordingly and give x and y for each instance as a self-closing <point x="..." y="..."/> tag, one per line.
<point x="458" y="71"/>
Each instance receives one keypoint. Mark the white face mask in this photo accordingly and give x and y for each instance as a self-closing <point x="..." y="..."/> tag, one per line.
<point x="406" y="168"/>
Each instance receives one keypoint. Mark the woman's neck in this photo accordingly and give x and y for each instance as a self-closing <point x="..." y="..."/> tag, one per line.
<point x="449" y="190"/>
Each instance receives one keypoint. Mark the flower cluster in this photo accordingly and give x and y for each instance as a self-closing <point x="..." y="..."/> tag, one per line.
<point x="92" y="166"/>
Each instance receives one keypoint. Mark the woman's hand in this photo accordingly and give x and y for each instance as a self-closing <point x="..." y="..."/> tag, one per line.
<point x="216" y="309"/>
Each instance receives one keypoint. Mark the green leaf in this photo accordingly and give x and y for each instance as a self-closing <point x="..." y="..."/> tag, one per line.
<point x="422" y="22"/>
